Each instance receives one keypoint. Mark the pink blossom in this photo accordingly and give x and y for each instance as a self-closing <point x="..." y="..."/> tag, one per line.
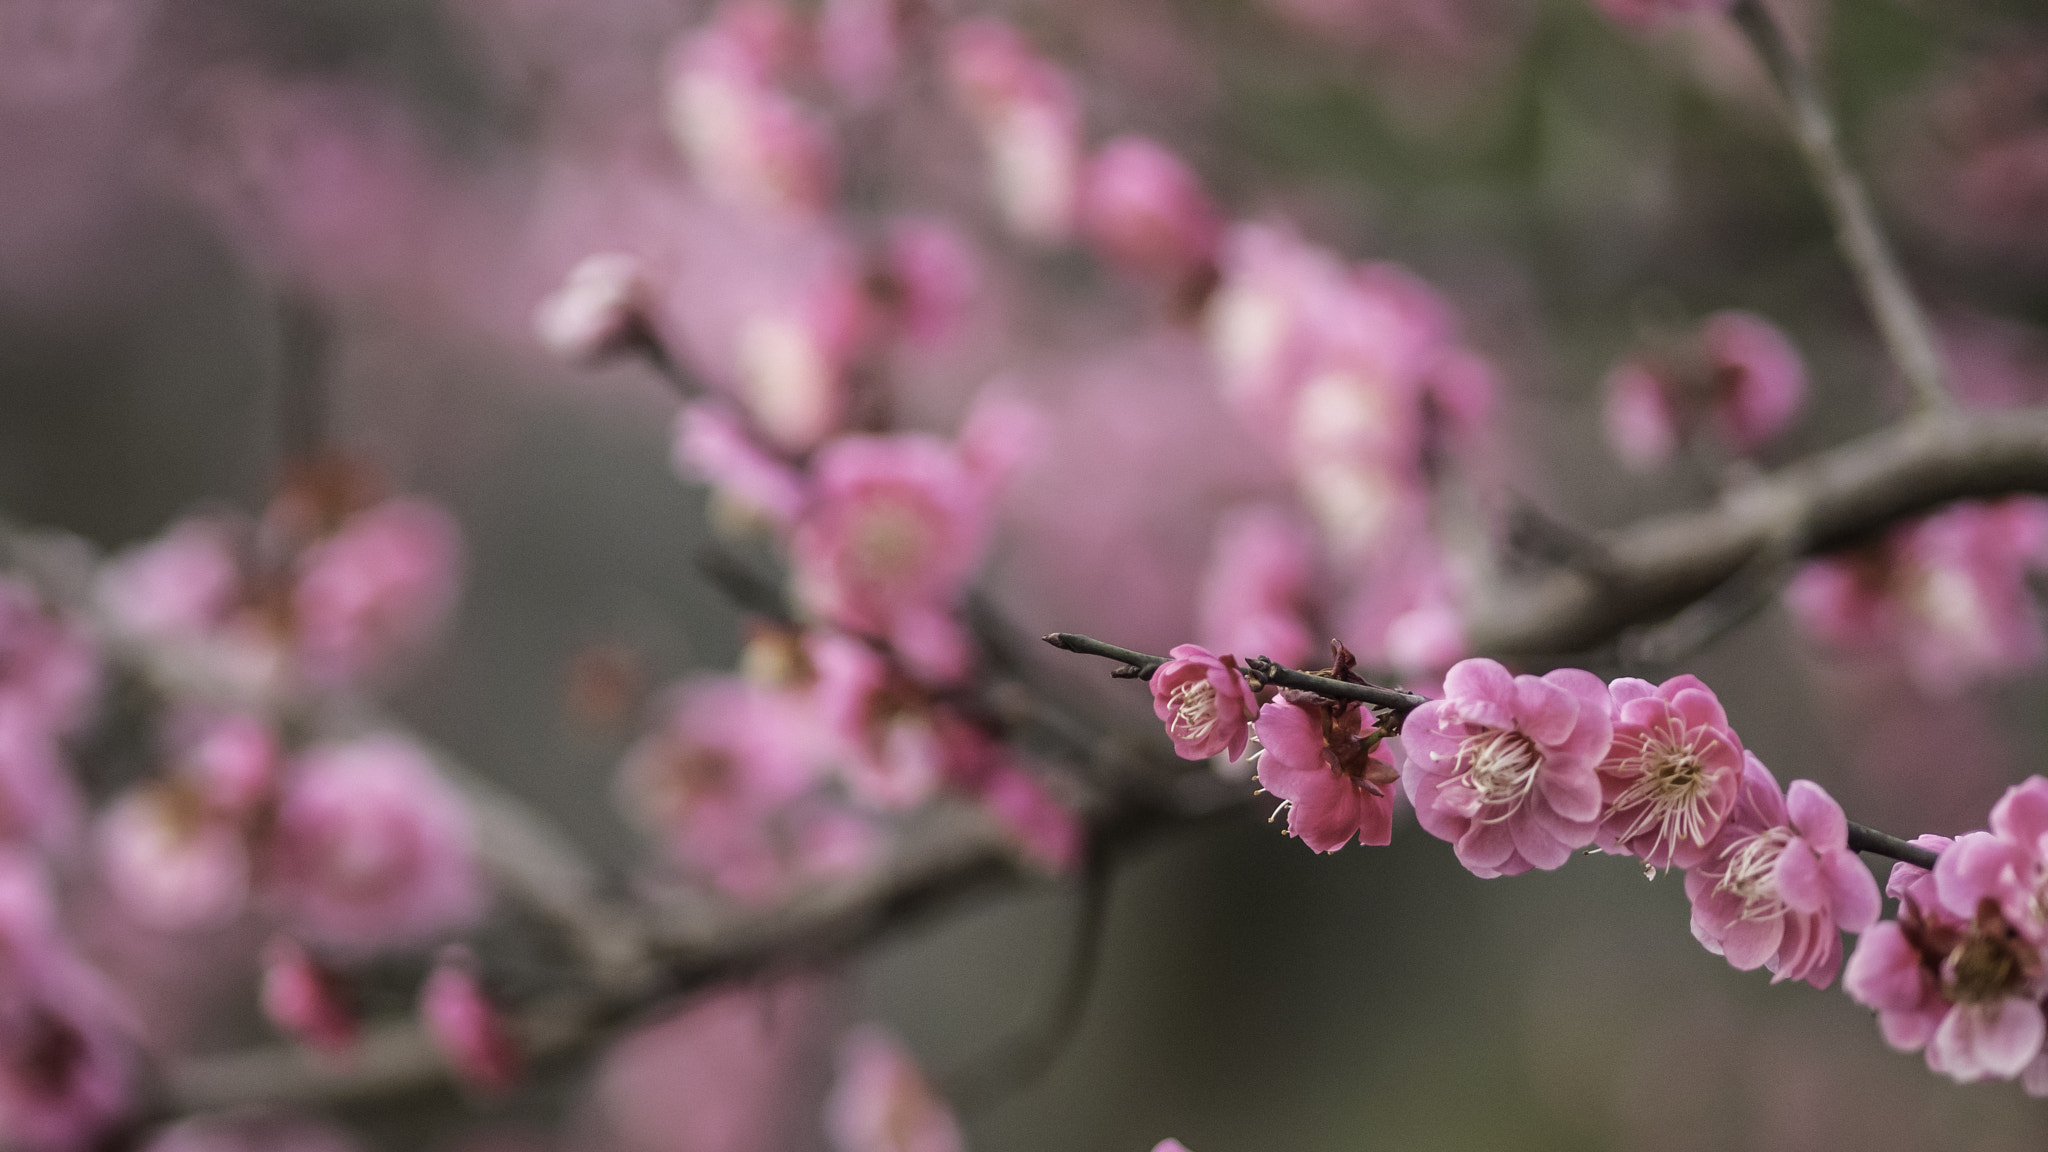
<point x="1641" y="426"/>
<point x="1169" y="1145"/>
<point x="375" y="589"/>
<point x="1949" y="590"/>
<point x="247" y="1132"/>
<point x="1147" y="210"/>
<point x="859" y="46"/>
<point x="1262" y="321"/>
<point x="181" y="585"/>
<point x="304" y="999"/>
<point x="896" y="751"/>
<point x="1049" y="832"/>
<point x="1958" y="975"/>
<point x="1329" y="768"/>
<point x="171" y="862"/>
<point x="230" y="760"/>
<point x="1672" y="774"/>
<point x="1205" y="703"/>
<point x="46" y="665"/>
<point x="722" y="755"/>
<point x="1030" y="124"/>
<point x="711" y="443"/>
<point x="1781" y="882"/>
<point x="39" y="803"/>
<point x="895" y="527"/>
<point x="1504" y="767"/>
<point x="371" y="848"/>
<point x="933" y="278"/>
<point x="749" y="142"/>
<point x="881" y="1103"/>
<point x="600" y="311"/>
<point x="466" y="1027"/>
<point x="1257" y="580"/>
<point x="716" y="1076"/>
<point x="66" y="1049"/>
<point x="1759" y="378"/>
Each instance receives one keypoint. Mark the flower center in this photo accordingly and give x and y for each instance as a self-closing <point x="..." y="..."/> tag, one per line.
<point x="1195" y="710"/>
<point x="1500" y="765"/>
<point x="890" y="542"/>
<point x="1670" y="787"/>
<point x="1992" y="961"/>
<point x="1751" y="871"/>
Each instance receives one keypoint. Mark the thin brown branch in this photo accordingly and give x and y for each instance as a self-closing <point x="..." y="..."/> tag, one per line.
<point x="1661" y="565"/>
<point x="1900" y="319"/>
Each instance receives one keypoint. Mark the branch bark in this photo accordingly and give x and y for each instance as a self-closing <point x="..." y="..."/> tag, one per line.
<point x="1660" y="565"/>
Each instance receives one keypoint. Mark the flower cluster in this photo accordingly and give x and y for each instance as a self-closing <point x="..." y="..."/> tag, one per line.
<point x="1520" y="772"/>
<point x="1737" y="381"/>
<point x="1960" y="973"/>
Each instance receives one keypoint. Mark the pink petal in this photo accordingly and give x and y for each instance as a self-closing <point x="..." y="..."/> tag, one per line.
<point x="1748" y="943"/>
<point x="1816" y="815"/>
<point x="1852" y="893"/>
<point x="1798" y="878"/>
<point x="1479" y="679"/>
<point x="1535" y="843"/>
<point x="1544" y="711"/>
<point x="2022" y="813"/>
<point x="1574" y="795"/>
<point x="1485" y="846"/>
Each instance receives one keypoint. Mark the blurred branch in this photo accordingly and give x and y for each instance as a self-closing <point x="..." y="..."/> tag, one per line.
<point x="1662" y="564"/>
<point x="1900" y="318"/>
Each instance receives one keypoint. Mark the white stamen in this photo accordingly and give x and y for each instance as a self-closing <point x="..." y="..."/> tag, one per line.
<point x="1752" y="866"/>
<point x="1670" y="786"/>
<point x="1195" y="713"/>
<point x="1500" y="766"/>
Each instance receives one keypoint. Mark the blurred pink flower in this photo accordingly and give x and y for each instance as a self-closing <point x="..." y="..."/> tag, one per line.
<point x="1504" y="767"/>
<point x="66" y="1049"/>
<point x="1147" y="210"/>
<point x="376" y="589"/>
<point x="1256" y="584"/>
<point x="721" y="756"/>
<point x="895" y="527"/>
<point x="371" y="848"/>
<point x="860" y="45"/>
<point x="600" y="311"/>
<point x="1672" y="774"/>
<point x="1030" y="123"/>
<point x="1736" y="375"/>
<point x="171" y="862"/>
<point x="711" y="443"/>
<point x="1205" y="703"/>
<point x="40" y="806"/>
<point x="933" y="278"/>
<point x="304" y="999"/>
<point x="1781" y="883"/>
<point x="179" y="586"/>
<point x="1334" y="780"/>
<point x="230" y="760"/>
<point x="47" y="666"/>
<point x="896" y="753"/>
<point x="750" y="143"/>
<point x="881" y="1103"/>
<point x="466" y="1027"/>
<point x="1949" y="590"/>
<point x="1049" y="832"/>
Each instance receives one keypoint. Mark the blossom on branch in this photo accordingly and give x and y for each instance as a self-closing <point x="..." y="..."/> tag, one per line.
<point x="1503" y="767"/>
<point x="1328" y="764"/>
<point x="1672" y="774"/>
<point x="1782" y="882"/>
<point x="1205" y="702"/>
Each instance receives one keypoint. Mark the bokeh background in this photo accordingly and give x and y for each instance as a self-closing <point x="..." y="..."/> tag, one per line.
<point x="205" y="203"/>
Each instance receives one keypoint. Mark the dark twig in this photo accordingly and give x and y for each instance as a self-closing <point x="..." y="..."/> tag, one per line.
<point x="1021" y="1060"/>
<point x="1139" y="665"/>
<point x="1900" y="319"/>
<point x="1885" y="844"/>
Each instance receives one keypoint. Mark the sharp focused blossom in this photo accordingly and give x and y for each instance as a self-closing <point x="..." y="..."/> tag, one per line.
<point x="371" y="848"/>
<point x="1327" y="764"/>
<point x="1781" y="883"/>
<point x="304" y="999"/>
<point x="466" y="1027"/>
<point x="1205" y="703"/>
<point x="881" y="1103"/>
<point x="1957" y="975"/>
<point x="1672" y="774"/>
<point x="1503" y="767"/>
